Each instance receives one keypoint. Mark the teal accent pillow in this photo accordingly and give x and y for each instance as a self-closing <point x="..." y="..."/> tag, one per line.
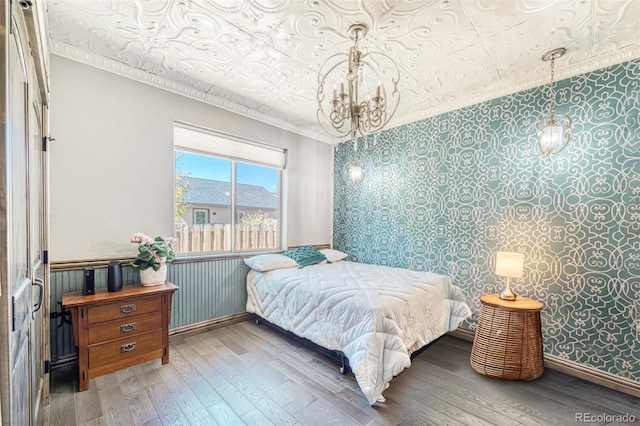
<point x="305" y="255"/>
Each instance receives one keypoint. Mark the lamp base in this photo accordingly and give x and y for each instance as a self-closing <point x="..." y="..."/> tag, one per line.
<point x="506" y="294"/>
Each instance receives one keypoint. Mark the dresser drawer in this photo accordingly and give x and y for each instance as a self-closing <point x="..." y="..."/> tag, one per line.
<point x="129" y="347"/>
<point x="124" y="327"/>
<point x="124" y="309"/>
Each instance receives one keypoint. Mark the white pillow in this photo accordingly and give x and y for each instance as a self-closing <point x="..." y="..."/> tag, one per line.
<point x="334" y="255"/>
<point x="269" y="262"/>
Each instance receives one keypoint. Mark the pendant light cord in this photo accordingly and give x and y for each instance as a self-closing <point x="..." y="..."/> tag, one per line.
<point x="552" y="94"/>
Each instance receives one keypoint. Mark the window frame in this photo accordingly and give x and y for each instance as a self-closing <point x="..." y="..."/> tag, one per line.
<point x="280" y="221"/>
<point x="198" y="210"/>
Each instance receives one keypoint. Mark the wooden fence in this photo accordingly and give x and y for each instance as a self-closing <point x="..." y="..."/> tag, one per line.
<point x="208" y="238"/>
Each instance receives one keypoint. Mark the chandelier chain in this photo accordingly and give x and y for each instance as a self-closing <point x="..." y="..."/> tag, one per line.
<point x="552" y="94"/>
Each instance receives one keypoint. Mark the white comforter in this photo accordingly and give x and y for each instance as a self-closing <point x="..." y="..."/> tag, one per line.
<point x="376" y="315"/>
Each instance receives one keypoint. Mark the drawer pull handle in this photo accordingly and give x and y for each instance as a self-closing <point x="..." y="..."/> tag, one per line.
<point x="128" y="347"/>
<point x="125" y="328"/>
<point x="127" y="309"/>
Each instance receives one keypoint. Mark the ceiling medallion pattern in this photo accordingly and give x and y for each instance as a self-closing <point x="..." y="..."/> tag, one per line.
<point x="263" y="56"/>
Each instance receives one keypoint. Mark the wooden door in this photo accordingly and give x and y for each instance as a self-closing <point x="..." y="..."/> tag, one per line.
<point x="18" y="221"/>
<point x="37" y="181"/>
<point x="39" y="329"/>
<point x="26" y="230"/>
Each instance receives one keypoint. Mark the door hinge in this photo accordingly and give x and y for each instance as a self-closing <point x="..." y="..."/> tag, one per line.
<point x="45" y="142"/>
<point x="47" y="367"/>
<point x="45" y="257"/>
<point x="13" y="313"/>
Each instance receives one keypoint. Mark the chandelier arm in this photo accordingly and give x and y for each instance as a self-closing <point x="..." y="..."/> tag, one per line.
<point x="341" y="133"/>
<point x="336" y="117"/>
<point x="330" y="59"/>
<point x="395" y="94"/>
<point x="322" y="80"/>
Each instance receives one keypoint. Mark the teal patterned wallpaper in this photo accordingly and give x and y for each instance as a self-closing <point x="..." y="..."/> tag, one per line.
<point x="446" y="193"/>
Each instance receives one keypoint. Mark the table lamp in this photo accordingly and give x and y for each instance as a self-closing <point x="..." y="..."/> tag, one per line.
<point x="510" y="265"/>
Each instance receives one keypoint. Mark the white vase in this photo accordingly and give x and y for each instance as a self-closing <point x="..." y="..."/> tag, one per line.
<point x="149" y="277"/>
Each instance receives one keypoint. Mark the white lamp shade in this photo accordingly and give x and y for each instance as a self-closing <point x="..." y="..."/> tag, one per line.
<point x="509" y="264"/>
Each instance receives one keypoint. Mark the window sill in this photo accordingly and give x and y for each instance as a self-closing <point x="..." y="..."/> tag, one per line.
<point x="191" y="258"/>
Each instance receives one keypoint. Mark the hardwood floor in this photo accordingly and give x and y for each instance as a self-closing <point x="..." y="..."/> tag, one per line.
<point x="249" y="374"/>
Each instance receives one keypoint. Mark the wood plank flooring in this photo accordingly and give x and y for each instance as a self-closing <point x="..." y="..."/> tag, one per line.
<point x="250" y="374"/>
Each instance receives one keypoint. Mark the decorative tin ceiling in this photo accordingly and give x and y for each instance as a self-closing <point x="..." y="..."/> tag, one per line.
<point x="260" y="57"/>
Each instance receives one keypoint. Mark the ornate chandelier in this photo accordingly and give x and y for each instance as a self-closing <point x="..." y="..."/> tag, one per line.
<point x="342" y="111"/>
<point x="554" y="131"/>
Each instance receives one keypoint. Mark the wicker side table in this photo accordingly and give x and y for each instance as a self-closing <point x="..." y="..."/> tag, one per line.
<point x="508" y="340"/>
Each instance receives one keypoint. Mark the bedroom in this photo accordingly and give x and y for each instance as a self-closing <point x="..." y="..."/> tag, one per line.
<point x="453" y="182"/>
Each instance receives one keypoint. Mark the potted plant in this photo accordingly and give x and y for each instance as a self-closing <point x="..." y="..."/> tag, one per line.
<point x="152" y="259"/>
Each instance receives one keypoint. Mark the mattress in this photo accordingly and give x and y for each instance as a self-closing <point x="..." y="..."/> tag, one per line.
<point x="376" y="315"/>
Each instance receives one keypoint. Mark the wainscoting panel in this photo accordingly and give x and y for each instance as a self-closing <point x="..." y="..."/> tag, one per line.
<point x="208" y="289"/>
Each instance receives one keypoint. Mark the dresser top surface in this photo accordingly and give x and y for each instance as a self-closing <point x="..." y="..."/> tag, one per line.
<point x="76" y="298"/>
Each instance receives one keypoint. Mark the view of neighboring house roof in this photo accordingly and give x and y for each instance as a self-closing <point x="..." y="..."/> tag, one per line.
<point x="207" y="192"/>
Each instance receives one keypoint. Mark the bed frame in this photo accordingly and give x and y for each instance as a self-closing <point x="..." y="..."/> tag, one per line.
<point x="337" y="356"/>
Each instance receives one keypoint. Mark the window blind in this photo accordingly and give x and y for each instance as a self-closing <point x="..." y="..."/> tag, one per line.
<point x="228" y="146"/>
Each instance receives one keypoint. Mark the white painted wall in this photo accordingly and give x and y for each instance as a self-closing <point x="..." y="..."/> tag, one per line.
<point x="112" y="163"/>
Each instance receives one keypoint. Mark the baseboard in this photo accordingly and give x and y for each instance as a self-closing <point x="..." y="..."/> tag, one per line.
<point x="64" y="362"/>
<point x="574" y="369"/>
<point x="593" y="375"/>
<point x="201" y="327"/>
<point x="462" y="333"/>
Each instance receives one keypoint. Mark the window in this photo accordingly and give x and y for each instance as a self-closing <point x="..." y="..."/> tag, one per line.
<point x="200" y="216"/>
<point x="219" y="173"/>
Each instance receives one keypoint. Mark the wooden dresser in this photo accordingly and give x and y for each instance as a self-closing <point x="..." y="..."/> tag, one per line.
<point x="119" y="329"/>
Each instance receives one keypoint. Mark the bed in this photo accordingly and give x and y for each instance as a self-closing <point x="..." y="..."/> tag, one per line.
<point x="376" y="315"/>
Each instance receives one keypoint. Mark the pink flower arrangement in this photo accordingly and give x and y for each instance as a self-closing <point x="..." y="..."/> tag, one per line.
<point x="152" y="252"/>
<point x="139" y="237"/>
